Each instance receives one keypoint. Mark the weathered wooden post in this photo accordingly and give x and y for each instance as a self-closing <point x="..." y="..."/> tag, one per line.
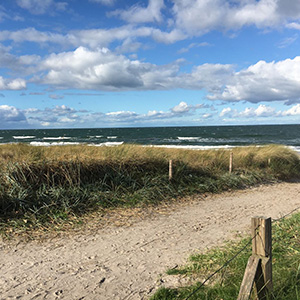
<point x="259" y="267"/>
<point x="230" y="161"/>
<point x="261" y="228"/>
<point x="170" y="169"/>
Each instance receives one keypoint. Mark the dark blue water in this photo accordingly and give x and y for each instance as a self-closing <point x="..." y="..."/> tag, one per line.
<point x="189" y="137"/>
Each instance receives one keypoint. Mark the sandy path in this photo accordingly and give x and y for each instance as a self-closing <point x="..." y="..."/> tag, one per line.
<point x="126" y="262"/>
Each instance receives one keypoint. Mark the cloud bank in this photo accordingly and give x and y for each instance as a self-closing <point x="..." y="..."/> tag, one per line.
<point x="63" y="116"/>
<point x="104" y="70"/>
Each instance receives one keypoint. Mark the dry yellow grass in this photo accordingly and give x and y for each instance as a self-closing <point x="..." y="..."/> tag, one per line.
<point x="52" y="184"/>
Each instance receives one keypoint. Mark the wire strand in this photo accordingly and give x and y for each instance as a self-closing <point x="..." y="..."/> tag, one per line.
<point x="223" y="266"/>
<point x="286" y="215"/>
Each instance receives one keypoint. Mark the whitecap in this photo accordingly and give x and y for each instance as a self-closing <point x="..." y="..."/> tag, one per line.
<point x="22" y="137"/>
<point x="53" y="143"/>
<point x="57" y="138"/>
<point x="187" y="138"/>
<point x="295" y="148"/>
<point x="107" y="144"/>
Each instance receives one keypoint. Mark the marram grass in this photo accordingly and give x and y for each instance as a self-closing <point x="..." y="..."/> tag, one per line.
<point x="48" y="185"/>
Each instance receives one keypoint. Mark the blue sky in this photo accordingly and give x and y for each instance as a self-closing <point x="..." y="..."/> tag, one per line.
<point x="110" y="63"/>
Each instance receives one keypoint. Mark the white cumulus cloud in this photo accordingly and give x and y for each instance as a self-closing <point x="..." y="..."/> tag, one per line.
<point x="201" y="16"/>
<point x="263" y="81"/>
<point x="183" y="107"/>
<point x="293" y="25"/>
<point x="293" y="111"/>
<point x="139" y="14"/>
<point x="262" y="111"/>
<point x="11" y="117"/>
<point x="103" y="70"/>
<point x="12" y="84"/>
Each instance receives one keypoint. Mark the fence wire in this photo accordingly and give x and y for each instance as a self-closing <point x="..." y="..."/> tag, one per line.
<point x="224" y="265"/>
<point x="237" y="254"/>
<point x="286" y="215"/>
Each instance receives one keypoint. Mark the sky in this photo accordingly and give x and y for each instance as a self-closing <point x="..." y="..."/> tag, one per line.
<point x="113" y="63"/>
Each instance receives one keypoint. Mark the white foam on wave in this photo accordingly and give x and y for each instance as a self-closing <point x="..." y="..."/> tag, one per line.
<point x="112" y="137"/>
<point x="1" y="137"/>
<point x="46" y="144"/>
<point x="57" y="138"/>
<point x="295" y="148"/>
<point x="22" y="137"/>
<point x="187" y="138"/>
<point x="107" y="144"/>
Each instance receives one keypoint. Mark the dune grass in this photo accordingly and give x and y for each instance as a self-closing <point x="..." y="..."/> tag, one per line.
<point x="40" y="186"/>
<point x="226" y="284"/>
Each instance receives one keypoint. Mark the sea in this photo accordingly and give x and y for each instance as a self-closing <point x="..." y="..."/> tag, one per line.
<point x="198" y="137"/>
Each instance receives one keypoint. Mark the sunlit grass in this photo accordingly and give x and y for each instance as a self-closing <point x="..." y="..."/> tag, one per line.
<point x="45" y="185"/>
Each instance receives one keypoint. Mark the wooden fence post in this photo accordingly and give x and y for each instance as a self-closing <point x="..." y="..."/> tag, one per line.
<point x="230" y="162"/>
<point x="249" y="278"/>
<point x="261" y="228"/>
<point x="170" y="169"/>
<point x="259" y="268"/>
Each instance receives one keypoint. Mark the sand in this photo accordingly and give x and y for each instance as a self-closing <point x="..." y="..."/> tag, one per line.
<point x="129" y="262"/>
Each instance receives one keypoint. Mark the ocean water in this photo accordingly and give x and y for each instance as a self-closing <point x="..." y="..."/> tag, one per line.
<point x="200" y="137"/>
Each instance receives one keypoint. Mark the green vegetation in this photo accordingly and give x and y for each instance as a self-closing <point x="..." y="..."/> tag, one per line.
<point x="225" y="285"/>
<point x="40" y="186"/>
